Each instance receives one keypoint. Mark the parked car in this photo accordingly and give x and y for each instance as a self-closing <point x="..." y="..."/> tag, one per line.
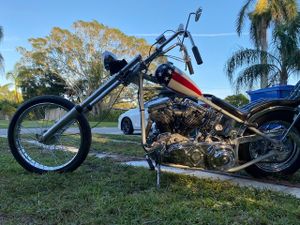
<point x="129" y="122"/>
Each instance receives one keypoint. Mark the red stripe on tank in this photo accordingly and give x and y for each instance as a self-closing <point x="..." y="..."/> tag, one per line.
<point x="180" y="79"/>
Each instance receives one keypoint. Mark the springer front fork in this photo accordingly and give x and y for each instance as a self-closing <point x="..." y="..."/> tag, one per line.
<point x="85" y="106"/>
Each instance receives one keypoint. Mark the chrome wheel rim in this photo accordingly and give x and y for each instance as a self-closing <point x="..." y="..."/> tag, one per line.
<point x="286" y="154"/>
<point x="59" y="151"/>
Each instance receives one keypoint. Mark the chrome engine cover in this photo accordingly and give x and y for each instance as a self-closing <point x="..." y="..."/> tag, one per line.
<point x="188" y="154"/>
<point x="181" y="150"/>
<point x="220" y="156"/>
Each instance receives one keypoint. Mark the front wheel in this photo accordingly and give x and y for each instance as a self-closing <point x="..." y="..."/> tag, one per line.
<point x="62" y="152"/>
<point x="287" y="159"/>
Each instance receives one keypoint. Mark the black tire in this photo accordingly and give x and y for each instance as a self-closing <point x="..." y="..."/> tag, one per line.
<point x="18" y="148"/>
<point x="258" y="170"/>
<point x="126" y="126"/>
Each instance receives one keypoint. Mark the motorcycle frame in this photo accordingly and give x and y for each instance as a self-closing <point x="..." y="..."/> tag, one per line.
<point x="129" y="74"/>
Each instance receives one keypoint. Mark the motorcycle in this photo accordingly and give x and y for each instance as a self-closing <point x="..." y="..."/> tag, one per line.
<point x="50" y="133"/>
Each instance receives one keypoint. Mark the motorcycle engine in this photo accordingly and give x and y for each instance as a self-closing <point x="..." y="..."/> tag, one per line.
<point x="178" y="115"/>
<point x="187" y="131"/>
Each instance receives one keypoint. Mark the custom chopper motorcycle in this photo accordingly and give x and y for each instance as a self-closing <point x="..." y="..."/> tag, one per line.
<point x="49" y="133"/>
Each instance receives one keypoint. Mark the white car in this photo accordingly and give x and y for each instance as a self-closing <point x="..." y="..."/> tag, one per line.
<point x="129" y="121"/>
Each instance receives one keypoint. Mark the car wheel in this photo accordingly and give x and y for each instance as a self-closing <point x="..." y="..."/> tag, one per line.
<point x="126" y="126"/>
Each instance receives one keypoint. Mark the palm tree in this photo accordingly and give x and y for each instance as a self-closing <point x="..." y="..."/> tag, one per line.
<point x="262" y="14"/>
<point x="279" y="64"/>
<point x="288" y="37"/>
<point x="5" y="93"/>
<point x="1" y="58"/>
<point x="15" y="77"/>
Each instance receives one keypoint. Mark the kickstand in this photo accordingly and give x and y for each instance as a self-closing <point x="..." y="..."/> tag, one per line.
<point x="158" y="175"/>
<point x="150" y="163"/>
<point x="158" y="169"/>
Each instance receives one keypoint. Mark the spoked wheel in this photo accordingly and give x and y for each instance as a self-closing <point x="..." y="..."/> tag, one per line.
<point x="126" y="126"/>
<point x="62" y="152"/>
<point x="287" y="158"/>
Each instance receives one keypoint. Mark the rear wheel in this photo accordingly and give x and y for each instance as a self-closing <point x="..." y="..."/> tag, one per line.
<point x="287" y="159"/>
<point x="62" y="152"/>
<point x="126" y="126"/>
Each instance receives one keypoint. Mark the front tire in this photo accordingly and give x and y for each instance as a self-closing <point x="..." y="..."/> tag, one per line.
<point x="287" y="161"/>
<point x="63" y="152"/>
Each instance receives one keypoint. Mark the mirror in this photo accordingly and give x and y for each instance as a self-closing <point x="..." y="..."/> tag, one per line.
<point x="180" y="27"/>
<point x="198" y="14"/>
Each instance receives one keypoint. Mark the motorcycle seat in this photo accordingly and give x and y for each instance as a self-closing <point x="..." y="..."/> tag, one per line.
<point x="239" y="113"/>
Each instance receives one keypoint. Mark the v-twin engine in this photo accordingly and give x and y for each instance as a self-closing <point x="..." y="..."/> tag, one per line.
<point x="189" y="134"/>
<point x="178" y="115"/>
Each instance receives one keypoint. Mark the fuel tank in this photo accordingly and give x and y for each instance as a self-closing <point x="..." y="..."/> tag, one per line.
<point x="171" y="77"/>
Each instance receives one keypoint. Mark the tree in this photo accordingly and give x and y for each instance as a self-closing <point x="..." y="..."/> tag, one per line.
<point x="5" y="93"/>
<point x="76" y="56"/>
<point x="7" y="108"/>
<point x="279" y="64"/>
<point x="1" y="57"/>
<point x="264" y="14"/>
<point x="13" y="76"/>
<point x="36" y="83"/>
<point x="237" y="100"/>
<point x="287" y="36"/>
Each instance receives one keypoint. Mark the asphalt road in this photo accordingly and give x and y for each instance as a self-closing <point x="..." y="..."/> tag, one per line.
<point x="97" y="130"/>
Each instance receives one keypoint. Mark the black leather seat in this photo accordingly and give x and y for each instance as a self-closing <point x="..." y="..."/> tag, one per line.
<point x="241" y="114"/>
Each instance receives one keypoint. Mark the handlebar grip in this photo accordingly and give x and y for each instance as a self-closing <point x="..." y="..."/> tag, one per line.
<point x="190" y="67"/>
<point x="197" y="55"/>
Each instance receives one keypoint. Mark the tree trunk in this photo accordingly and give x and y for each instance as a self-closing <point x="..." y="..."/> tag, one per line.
<point x="263" y="58"/>
<point x="283" y="77"/>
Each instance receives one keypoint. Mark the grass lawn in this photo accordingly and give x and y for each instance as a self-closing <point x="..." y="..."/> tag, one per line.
<point x="105" y="192"/>
<point x="4" y="124"/>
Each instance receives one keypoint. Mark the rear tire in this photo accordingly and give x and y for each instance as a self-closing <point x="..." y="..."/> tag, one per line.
<point x="32" y="119"/>
<point x="126" y="126"/>
<point x="290" y="162"/>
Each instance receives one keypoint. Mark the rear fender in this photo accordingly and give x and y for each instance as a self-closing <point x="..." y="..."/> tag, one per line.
<point x="288" y="112"/>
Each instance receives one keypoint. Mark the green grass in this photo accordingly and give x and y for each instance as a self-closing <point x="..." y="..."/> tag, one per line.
<point x="106" y="143"/>
<point x="105" y="192"/>
<point x="104" y="124"/>
<point x="28" y="124"/>
<point x="133" y="138"/>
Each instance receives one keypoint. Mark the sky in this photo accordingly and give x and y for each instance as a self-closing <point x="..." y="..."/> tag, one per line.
<point x="214" y="33"/>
